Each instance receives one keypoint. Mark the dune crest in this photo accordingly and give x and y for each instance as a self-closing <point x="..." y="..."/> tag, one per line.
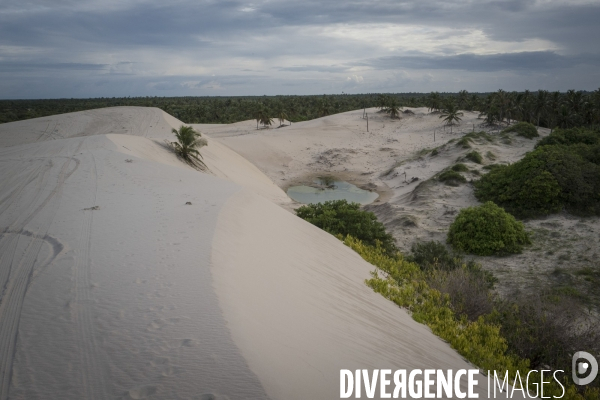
<point x="115" y="287"/>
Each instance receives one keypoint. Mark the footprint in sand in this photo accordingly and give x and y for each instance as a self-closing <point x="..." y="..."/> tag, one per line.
<point x="141" y="392"/>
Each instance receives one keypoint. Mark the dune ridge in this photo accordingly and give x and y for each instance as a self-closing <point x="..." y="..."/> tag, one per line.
<point x="114" y="287"/>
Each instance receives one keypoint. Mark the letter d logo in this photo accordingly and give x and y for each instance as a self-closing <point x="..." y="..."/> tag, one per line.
<point x="583" y="367"/>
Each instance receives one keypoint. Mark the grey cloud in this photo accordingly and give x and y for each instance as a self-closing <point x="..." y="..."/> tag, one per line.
<point x="314" y="68"/>
<point x="96" y="48"/>
<point x="522" y="61"/>
<point x="24" y="66"/>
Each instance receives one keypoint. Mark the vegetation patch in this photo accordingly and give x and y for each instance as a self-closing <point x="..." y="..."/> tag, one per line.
<point x="460" y="168"/>
<point x="342" y="218"/>
<point x="481" y="341"/>
<point x="453" y="297"/>
<point x="464" y="142"/>
<point x="479" y="135"/>
<point x="452" y="178"/>
<point x="490" y="156"/>
<point x="562" y="174"/>
<point x="524" y="129"/>
<point x="474" y="156"/>
<point x="487" y="230"/>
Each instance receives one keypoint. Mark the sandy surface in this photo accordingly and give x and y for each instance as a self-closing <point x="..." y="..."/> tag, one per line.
<point x="113" y="287"/>
<point x="391" y="155"/>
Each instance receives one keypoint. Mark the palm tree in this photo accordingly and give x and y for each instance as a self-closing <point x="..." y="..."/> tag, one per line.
<point x="463" y="99"/>
<point x="280" y="112"/>
<point x="393" y="108"/>
<point x="451" y="114"/>
<point x="187" y="145"/>
<point x="434" y="101"/>
<point x="324" y="108"/>
<point x="541" y="104"/>
<point x="264" y="117"/>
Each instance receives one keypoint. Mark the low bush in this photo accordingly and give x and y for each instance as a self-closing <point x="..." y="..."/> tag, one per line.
<point x="435" y="256"/>
<point x="451" y="178"/>
<point x="570" y="137"/>
<point x="479" y="135"/>
<point x="435" y="152"/>
<point x="487" y="230"/>
<point x="474" y="156"/>
<point x="524" y="129"/>
<point x="342" y="218"/>
<point x="464" y="142"/>
<point x="490" y="167"/>
<point x="540" y="327"/>
<point x="545" y="181"/>
<point x="460" y="168"/>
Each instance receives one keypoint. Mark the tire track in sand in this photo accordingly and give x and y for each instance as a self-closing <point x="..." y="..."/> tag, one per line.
<point x="92" y="373"/>
<point x="21" y="268"/>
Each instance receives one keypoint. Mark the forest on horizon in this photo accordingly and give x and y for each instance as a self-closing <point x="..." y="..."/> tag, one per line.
<point x="543" y="108"/>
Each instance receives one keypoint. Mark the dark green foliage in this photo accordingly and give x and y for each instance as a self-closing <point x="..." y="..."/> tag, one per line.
<point x="451" y="178"/>
<point x="487" y="230"/>
<point x="490" y="167"/>
<point x="435" y="152"/>
<point x="524" y="189"/>
<point x="198" y="110"/>
<point x="570" y="136"/>
<point x="474" y="156"/>
<point x="562" y="174"/>
<point x="460" y="167"/>
<point x="342" y="218"/>
<point x="524" y="129"/>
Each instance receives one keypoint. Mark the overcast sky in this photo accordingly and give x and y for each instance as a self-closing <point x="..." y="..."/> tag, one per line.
<point x="91" y="48"/>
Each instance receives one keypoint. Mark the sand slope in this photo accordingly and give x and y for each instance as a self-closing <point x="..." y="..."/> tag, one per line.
<point x="113" y="287"/>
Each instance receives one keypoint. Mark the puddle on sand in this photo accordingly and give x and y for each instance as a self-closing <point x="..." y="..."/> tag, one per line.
<point x="327" y="189"/>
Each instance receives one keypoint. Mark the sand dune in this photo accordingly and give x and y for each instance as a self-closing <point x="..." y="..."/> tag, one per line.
<point x="113" y="287"/>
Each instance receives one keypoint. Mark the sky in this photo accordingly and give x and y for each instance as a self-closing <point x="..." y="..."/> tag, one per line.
<point x="115" y="48"/>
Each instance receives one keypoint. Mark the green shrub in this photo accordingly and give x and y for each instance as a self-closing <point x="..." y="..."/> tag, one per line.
<point x="474" y="156"/>
<point x="570" y="136"/>
<point x="435" y="152"/>
<point x="490" y="155"/>
<point x="524" y="129"/>
<point x="451" y="178"/>
<point x="434" y="256"/>
<point x="479" y="135"/>
<point x="342" y="218"/>
<point x="460" y="168"/>
<point x="543" y="182"/>
<point x="464" y="142"/>
<point x="490" y="167"/>
<point x="487" y="230"/>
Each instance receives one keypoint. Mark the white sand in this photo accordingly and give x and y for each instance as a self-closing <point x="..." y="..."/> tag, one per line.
<point x="113" y="287"/>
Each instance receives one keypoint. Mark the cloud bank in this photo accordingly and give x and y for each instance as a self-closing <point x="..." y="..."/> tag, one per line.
<point x="89" y="48"/>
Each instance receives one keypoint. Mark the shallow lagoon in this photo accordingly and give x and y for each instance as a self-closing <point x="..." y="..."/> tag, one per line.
<point x="327" y="189"/>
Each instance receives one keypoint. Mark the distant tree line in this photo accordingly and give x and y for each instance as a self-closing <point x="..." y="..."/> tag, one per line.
<point x="542" y="108"/>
